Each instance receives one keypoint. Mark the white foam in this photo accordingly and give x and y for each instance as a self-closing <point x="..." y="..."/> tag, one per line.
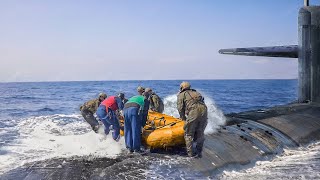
<point x="170" y="106"/>
<point x="47" y="137"/>
<point x="216" y="117"/>
<point x="61" y="135"/>
<point x="301" y="163"/>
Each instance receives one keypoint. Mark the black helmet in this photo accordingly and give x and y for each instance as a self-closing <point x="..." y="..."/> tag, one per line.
<point x="121" y="95"/>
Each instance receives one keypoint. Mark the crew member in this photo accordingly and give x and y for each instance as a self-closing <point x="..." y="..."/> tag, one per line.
<point x="156" y="103"/>
<point x="123" y="99"/>
<point x="89" y="108"/>
<point x="193" y="111"/>
<point x="107" y="114"/>
<point x="140" y="90"/>
<point x="135" y="117"/>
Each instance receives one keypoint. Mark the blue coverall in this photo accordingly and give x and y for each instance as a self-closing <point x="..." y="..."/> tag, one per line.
<point x="132" y="128"/>
<point x="110" y="118"/>
<point x="133" y="121"/>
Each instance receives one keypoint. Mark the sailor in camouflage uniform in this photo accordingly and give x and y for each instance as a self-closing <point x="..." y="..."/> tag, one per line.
<point x="156" y="103"/>
<point x="140" y="90"/>
<point x="89" y="108"/>
<point x="193" y="111"/>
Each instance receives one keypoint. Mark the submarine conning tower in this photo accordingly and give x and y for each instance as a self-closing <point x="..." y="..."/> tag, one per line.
<point x="307" y="51"/>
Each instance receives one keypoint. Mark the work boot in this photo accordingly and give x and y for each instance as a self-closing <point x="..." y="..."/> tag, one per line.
<point x="118" y="138"/>
<point x="106" y="131"/>
<point x="199" y="151"/>
<point x="191" y="154"/>
<point x="95" y="128"/>
<point x="198" y="155"/>
<point x="130" y="151"/>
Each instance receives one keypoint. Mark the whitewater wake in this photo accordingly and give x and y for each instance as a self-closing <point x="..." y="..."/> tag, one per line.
<point x="300" y="163"/>
<point x="54" y="136"/>
<point x="46" y="137"/>
<point x="216" y="117"/>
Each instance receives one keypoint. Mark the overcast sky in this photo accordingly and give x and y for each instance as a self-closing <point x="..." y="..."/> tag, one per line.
<point x="143" y="39"/>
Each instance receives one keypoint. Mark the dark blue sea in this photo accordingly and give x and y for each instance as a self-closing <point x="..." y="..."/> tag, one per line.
<point x="21" y="100"/>
<point x="41" y="120"/>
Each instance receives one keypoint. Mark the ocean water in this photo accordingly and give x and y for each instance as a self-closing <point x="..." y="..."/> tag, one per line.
<point x="41" y="120"/>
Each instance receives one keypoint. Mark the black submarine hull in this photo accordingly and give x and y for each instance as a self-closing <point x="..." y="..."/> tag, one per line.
<point x="247" y="137"/>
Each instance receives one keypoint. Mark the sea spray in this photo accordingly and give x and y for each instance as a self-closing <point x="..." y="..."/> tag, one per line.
<point x="216" y="117"/>
<point x="170" y="106"/>
<point x="300" y="163"/>
<point x="46" y="137"/>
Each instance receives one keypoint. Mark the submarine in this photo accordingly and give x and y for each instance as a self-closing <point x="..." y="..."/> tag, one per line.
<point x="252" y="135"/>
<point x="247" y="136"/>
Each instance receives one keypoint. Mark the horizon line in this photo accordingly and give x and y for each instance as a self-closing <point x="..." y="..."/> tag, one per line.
<point x="145" y="80"/>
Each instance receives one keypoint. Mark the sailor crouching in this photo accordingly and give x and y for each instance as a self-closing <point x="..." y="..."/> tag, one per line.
<point x="89" y="108"/>
<point x="135" y="117"/>
<point x="193" y="111"/>
<point x="107" y="114"/>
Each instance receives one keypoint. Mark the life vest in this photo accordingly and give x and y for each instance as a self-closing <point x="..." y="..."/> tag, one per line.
<point x="137" y="99"/>
<point x="111" y="103"/>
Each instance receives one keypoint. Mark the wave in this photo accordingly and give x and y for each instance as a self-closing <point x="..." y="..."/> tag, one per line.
<point x="59" y="135"/>
<point x="21" y="97"/>
<point x="46" y="109"/>
<point x="216" y="117"/>
<point x="300" y="163"/>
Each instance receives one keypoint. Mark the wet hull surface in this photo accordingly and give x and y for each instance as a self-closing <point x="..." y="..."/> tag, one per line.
<point x="248" y="137"/>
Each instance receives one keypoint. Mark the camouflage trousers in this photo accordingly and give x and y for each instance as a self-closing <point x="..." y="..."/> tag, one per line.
<point x="194" y="129"/>
<point x="88" y="116"/>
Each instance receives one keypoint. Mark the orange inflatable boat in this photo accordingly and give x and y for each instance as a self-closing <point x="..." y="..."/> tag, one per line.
<point x="162" y="131"/>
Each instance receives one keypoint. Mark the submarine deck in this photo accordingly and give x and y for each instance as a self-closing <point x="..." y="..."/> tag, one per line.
<point x="247" y="137"/>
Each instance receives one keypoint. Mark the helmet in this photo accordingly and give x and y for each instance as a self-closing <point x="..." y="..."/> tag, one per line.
<point x="103" y="95"/>
<point x="140" y="89"/>
<point x="148" y="90"/>
<point x="121" y="95"/>
<point x="185" y="85"/>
